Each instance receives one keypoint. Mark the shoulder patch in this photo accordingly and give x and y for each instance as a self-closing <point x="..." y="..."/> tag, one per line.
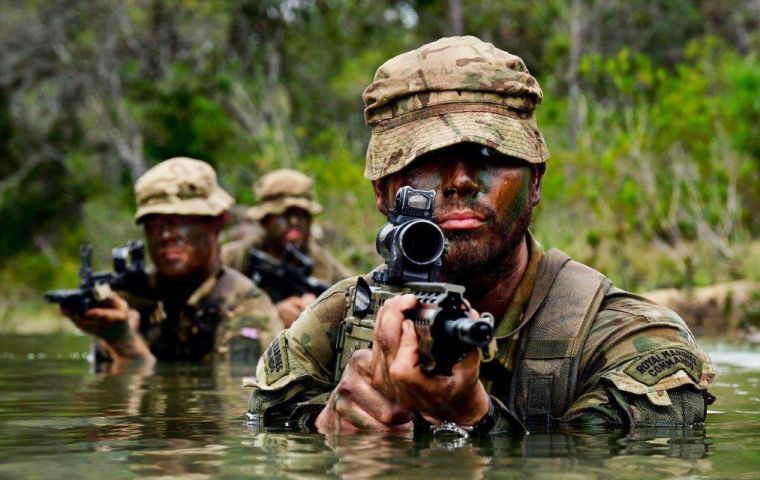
<point x="275" y="360"/>
<point x="657" y="364"/>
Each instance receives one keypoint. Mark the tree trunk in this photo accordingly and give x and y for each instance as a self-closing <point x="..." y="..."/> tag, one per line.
<point x="572" y="73"/>
<point x="455" y="17"/>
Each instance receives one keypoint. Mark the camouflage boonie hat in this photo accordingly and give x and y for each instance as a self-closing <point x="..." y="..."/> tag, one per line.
<point x="180" y="186"/>
<point x="454" y="90"/>
<point x="281" y="189"/>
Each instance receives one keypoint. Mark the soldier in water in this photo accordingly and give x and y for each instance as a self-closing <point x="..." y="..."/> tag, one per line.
<point x="284" y="211"/>
<point x="456" y="116"/>
<point x="194" y="308"/>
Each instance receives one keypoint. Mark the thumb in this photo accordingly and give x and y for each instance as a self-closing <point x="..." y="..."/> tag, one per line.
<point x="118" y="302"/>
<point x="408" y="348"/>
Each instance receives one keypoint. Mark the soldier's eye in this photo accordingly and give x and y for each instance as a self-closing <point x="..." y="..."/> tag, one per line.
<point x="488" y="153"/>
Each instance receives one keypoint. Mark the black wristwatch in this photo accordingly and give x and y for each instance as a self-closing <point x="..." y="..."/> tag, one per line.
<point x="486" y="422"/>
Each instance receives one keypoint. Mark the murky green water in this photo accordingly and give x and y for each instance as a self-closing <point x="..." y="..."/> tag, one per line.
<point x="60" y="420"/>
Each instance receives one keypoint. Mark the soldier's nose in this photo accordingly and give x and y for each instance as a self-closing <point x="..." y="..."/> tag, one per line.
<point x="462" y="182"/>
<point x="168" y="231"/>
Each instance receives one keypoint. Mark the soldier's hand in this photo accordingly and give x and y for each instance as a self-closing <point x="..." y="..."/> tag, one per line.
<point x="356" y="405"/>
<point x="396" y="373"/>
<point x="111" y="321"/>
<point x="290" y="308"/>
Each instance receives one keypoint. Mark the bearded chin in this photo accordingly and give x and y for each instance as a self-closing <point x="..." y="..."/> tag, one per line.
<point x="472" y="253"/>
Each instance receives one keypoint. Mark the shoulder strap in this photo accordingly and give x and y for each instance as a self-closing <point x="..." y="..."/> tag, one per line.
<point x="224" y="289"/>
<point x="561" y="310"/>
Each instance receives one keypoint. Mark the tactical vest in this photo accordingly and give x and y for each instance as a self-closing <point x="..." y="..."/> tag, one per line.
<point x="200" y="335"/>
<point x="565" y="300"/>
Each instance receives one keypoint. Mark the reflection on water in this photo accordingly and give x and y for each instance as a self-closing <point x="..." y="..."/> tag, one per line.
<point x="57" y="419"/>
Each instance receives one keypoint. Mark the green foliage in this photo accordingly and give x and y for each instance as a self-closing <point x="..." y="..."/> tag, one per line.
<point x="658" y="185"/>
<point x="348" y="201"/>
<point x="182" y="116"/>
<point x="661" y="158"/>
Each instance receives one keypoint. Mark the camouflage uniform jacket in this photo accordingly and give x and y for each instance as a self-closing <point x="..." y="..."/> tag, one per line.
<point x="622" y="377"/>
<point x="227" y="316"/>
<point x="326" y="267"/>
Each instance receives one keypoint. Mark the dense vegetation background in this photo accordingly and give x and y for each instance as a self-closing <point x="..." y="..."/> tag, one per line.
<point x="651" y="113"/>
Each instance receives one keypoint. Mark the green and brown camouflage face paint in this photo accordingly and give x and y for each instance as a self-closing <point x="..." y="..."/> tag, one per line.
<point x="181" y="245"/>
<point x="485" y="192"/>
<point x="290" y="227"/>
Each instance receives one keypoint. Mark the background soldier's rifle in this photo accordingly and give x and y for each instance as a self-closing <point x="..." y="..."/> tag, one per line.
<point x="286" y="278"/>
<point x="413" y="247"/>
<point x="128" y="275"/>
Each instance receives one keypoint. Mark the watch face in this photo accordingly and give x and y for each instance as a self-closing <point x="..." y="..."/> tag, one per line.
<point x="450" y="430"/>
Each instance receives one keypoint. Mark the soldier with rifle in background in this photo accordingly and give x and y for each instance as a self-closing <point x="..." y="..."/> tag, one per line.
<point x="281" y="254"/>
<point x="394" y="350"/>
<point x="190" y="308"/>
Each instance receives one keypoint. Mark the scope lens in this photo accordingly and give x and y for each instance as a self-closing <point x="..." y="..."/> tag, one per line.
<point x="422" y="242"/>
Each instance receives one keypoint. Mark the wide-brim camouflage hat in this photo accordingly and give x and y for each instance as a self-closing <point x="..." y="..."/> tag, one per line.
<point x="181" y="186"/>
<point x="454" y="90"/>
<point x="282" y="189"/>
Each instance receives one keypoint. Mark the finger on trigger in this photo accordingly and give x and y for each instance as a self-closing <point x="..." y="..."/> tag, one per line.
<point x="111" y="314"/>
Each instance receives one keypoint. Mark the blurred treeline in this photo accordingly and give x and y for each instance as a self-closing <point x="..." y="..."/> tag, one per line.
<point x="651" y="113"/>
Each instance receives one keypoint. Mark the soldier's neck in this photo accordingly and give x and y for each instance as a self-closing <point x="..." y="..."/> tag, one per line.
<point x="179" y="289"/>
<point x="493" y="291"/>
<point x="275" y="250"/>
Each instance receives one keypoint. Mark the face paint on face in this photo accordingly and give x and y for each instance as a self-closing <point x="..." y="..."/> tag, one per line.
<point x="481" y="203"/>
<point x="290" y="227"/>
<point x="507" y="221"/>
<point x="180" y="245"/>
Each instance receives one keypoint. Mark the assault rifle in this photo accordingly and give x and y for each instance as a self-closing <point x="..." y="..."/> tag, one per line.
<point x="413" y="247"/>
<point x="286" y="278"/>
<point x="128" y="274"/>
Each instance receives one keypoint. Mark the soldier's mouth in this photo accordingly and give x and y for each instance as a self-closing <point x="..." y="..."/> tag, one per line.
<point x="461" y="220"/>
<point x="172" y="253"/>
<point x="292" y="235"/>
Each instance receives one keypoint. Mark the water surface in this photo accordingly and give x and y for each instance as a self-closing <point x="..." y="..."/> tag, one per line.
<point x="58" y="419"/>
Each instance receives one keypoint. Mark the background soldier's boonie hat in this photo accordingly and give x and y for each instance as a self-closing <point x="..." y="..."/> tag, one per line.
<point x="181" y="186"/>
<point x="454" y="90"/>
<point x="281" y="189"/>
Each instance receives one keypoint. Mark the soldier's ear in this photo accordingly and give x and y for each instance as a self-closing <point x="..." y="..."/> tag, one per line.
<point x="220" y="221"/>
<point x="379" y="188"/>
<point x="537" y="175"/>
